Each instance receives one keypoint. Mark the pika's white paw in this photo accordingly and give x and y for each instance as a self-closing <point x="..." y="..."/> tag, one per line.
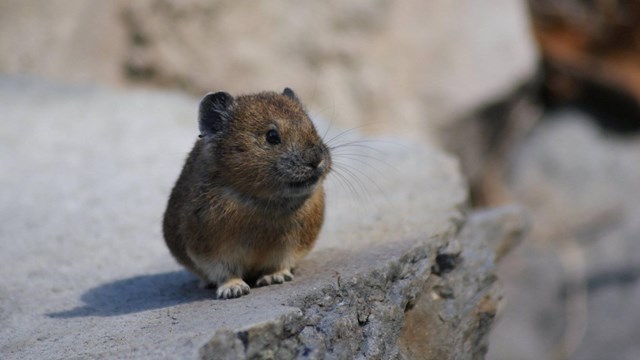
<point x="233" y="288"/>
<point x="276" y="278"/>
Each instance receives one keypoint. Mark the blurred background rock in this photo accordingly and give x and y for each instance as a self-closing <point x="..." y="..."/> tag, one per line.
<point x="539" y="98"/>
<point x="387" y="64"/>
<point x="566" y="144"/>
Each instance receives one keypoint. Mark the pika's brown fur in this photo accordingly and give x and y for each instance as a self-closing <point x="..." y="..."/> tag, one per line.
<point x="249" y="202"/>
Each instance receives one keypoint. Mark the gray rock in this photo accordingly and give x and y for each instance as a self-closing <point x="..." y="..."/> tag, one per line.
<point x="574" y="290"/>
<point x="455" y="310"/>
<point x="86" y="274"/>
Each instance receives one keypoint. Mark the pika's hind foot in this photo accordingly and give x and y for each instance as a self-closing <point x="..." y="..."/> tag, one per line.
<point x="277" y="277"/>
<point x="232" y="288"/>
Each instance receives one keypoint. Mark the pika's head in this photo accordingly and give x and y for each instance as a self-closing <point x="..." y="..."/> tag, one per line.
<point x="263" y="145"/>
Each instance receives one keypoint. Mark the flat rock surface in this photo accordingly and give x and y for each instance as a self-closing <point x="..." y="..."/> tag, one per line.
<point x="86" y="175"/>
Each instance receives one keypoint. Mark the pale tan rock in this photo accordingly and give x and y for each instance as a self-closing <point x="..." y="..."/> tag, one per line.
<point x="404" y="67"/>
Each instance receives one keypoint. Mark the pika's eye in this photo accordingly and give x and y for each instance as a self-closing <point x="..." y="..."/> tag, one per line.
<point x="273" y="137"/>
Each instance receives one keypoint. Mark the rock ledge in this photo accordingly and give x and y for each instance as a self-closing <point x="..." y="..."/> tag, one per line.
<point x="400" y="270"/>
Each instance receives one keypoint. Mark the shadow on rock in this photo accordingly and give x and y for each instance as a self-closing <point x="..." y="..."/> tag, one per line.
<point x="138" y="293"/>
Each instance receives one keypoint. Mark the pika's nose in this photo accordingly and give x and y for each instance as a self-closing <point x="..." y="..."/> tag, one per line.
<point x="315" y="162"/>
<point x="314" y="158"/>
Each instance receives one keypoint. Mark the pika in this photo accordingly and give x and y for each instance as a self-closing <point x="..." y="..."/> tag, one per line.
<point x="249" y="202"/>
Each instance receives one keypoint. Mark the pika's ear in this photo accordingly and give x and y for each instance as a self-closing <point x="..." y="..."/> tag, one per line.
<point x="290" y="94"/>
<point x="215" y="110"/>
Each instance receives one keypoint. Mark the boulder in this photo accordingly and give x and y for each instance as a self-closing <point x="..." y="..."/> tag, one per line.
<point x="574" y="288"/>
<point x="406" y="67"/>
<point x="401" y="269"/>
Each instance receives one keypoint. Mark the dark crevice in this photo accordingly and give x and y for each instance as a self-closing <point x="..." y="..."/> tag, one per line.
<point x="445" y="263"/>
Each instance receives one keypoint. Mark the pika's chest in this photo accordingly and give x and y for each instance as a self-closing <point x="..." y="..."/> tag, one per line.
<point x="253" y="239"/>
<point x="257" y="259"/>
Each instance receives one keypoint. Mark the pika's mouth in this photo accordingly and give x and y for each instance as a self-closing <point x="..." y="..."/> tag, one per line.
<point x="306" y="183"/>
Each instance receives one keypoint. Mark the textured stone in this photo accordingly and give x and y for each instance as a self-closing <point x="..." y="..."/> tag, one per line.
<point x="86" y="273"/>
<point x="452" y="316"/>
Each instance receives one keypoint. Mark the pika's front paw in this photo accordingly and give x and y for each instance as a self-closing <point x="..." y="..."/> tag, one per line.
<point x="233" y="288"/>
<point x="276" y="278"/>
